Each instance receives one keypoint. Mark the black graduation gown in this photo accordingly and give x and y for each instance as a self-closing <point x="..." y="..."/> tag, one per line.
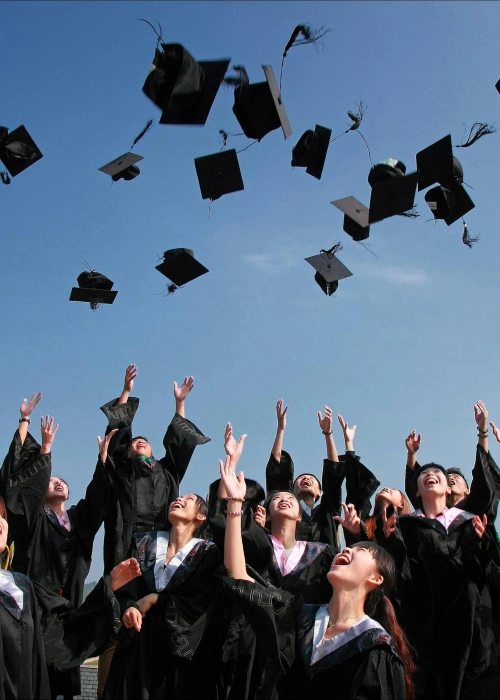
<point x="367" y="667"/>
<point x="46" y="551"/>
<point x="308" y="578"/>
<point x="439" y="600"/>
<point x="23" y="673"/>
<point x="142" y="493"/>
<point x="175" y="654"/>
<point x="259" y="646"/>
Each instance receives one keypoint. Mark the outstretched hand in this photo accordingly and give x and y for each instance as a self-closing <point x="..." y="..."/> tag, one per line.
<point x="130" y="375"/>
<point x="412" y="442"/>
<point x="259" y="515"/>
<point x="104" y="444"/>
<point x="496" y="431"/>
<point x="235" y="486"/>
<point x="479" y="524"/>
<point x="124" y="572"/>
<point x="481" y="415"/>
<point x="281" y="414"/>
<point x="48" y="430"/>
<point x="27" y="407"/>
<point x="348" y="432"/>
<point x="181" y="392"/>
<point x="351" y="521"/>
<point x="232" y="448"/>
<point x="325" y="423"/>
<point x="389" y="523"/>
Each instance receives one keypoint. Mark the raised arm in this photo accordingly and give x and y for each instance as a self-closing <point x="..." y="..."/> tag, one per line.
<point x="481" y="417"/>
<point x="280" y="431"/>
<point x="26" y="410"/>
<point x="181" y="393"/>
<point x="120" y="413"/>
<point x="485" y="485"/>
<point x="235" y="487"/>
<point x="279" y="468"/>
<point x="412" y="443"/>
<point x="325" y="423"/>
<point x="130" y="375"/>
<point x="360" y="482"/>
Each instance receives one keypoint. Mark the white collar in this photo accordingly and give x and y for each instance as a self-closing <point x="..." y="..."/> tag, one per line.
<point x="8" y="585"/>
<point x="322" y="647"/>
<point x="163" y="573"/>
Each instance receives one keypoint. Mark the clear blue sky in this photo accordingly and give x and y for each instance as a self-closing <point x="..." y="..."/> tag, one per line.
<point x="410" y="341"/>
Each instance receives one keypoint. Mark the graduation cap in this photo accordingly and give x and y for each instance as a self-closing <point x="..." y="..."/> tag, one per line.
<point x="259" y="109"/>
<point x="393" y="192"/>
<point x="437" y="164"/>
<point x="17" y="150"/>
<point x="93" y="287"/>
<point x="449" y="205"/>
<point x="329" y="269"/>
<point x="310" y="150"/>
<point x="123" y="167"/>
<point x="497" y="85"/>
<point x="218" y="174"/>
<point x="355" y="217"/>
<point x="180" y="266"/>
<point x="181" y="87"/>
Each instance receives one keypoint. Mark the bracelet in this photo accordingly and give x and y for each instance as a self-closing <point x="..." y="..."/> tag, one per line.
<point x="230" y="498"/>
<point x="25" y="420"/>
<point x="327" y="433"/>
<point x="481" y="434"/>
<point x="233" y="512"/>
<point x="481" y="431"/>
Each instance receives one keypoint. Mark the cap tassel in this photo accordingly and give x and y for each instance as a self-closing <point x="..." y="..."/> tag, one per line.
<point x="147" y="128"/>
<point x="410" y="213"/>
<point x="310" y="36"/>
<point x="357" y="119"/>
<point x="477" y="131"/>
<point x="159" y="36"/>
<point x="238" y="80"/>
<point x="466" y="239"/>
<point x="10" y="556"/>
<point x="4" y="175"/>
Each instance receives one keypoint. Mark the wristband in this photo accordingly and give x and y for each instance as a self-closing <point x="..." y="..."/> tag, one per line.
<point x="25" y="420"/>
<point x="327" y="433"/>
<point x="233" y="512"/>
<point x="230" y="498"/>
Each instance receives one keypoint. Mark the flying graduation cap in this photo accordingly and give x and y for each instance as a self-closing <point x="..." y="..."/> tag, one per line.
<point x="355" y="217"/>
<point x="393" y="192"/>
<point x="310" y="150"/>
<point x="93" y="287"/>
<point x="218" y="174"/>
<point x="124" y="168"/>
<point x="183" y="88"/>
<point x="259" y="109"/>
<point x="329" y="269"/>
<point x="180" y="266"/>
<point x="437" y="164"/>
<point x="17" y="151"/>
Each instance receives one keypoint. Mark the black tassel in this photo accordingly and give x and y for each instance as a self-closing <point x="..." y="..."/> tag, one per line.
<point x="309" y="36"/>
<point x="410" y="213"/>
<point x="171" y="289"/>
<point x="237" y="80"/>
<point x="477" y="131"/>
<point x="148" y="126"/>
<point x="224" y="136"/>
<point x="468" y="240"/>
<point x="331" y="251"/>
<point x="159" y="36"/>
<point x="5" y="177"/>
<point x="358" y="117"/>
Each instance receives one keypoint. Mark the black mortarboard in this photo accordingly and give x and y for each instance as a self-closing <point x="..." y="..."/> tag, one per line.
<point x="18" y="150"/>
<point x="393" y="192"/>
<point x="123" y="167"/>
<point x="181" y="87"/>
<point x="94" y="288"/>
<point x="259" y="109"/>
<point x="449" y="205"/>
<point x="310" y="151"/>
<point x="497" y="85"/>
<point x="329" y="270"/>
<point x="180" y="266"/>
<point x="355" y="217"/>
<point x="437" y="164"/>
<point x="219" y="174"/>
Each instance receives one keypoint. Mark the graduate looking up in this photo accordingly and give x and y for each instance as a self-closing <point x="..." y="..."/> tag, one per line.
<point x="344" y="648"/>
<point x="143" y="486"/>
<point x="442" y="554"/>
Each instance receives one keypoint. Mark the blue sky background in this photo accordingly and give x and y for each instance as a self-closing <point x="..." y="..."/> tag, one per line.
<point x="410" y="341"/>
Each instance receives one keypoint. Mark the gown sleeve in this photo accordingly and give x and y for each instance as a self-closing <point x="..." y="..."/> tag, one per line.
<point x="360" y="484"/>
<point x="485" y="486"/>
<point x="410" y="487"/>
<point x="180" y="441"/>
<point x="120" y="417"/>
<point x="279" y="475"/>
<point x="91" y="510"/>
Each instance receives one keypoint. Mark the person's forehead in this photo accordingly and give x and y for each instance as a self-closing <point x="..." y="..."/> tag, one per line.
<point x="308" y="476"/>
<point x="141" y="439"/>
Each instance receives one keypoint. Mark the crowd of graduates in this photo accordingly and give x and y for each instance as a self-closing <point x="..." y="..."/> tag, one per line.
<point x="248" y="593"/>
